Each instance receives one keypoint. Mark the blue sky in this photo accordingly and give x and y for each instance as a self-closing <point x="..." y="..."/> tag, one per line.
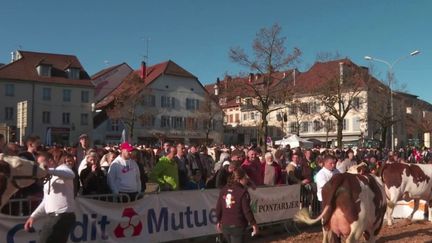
<point x="197" y="34"/>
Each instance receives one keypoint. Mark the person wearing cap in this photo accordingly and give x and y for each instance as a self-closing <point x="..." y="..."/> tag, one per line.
<point x="82" y="149"/>
<point x="123" y="174"/>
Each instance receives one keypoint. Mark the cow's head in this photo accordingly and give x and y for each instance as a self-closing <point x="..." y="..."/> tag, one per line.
<point x="17" y="173"/>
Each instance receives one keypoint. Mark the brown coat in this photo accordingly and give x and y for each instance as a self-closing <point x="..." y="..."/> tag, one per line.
<point x="233" y="206"/>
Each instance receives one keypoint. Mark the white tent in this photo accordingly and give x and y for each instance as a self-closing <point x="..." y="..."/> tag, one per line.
<point x="295" y="141"/>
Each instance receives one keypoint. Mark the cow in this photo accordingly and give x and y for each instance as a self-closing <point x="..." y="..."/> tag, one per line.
<point x="407" y="182"/>
<point x="353" y="206"/>
<point x="17" y="173"/>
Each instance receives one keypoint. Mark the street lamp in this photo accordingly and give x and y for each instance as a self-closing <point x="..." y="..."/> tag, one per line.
<point x="390" y="80"/>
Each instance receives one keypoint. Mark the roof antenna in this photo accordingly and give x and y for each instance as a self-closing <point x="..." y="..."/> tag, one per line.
<point x="146" y="57"/>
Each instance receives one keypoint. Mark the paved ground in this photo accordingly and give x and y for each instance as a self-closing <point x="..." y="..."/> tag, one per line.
<point x="403" y="231"/>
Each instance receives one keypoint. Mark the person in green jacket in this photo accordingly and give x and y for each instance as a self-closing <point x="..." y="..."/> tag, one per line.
<point x="165" y="172"/>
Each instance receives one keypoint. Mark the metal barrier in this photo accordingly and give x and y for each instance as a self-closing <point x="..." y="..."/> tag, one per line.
<point x="21" y="206"/>
<point x="119" y="198"/>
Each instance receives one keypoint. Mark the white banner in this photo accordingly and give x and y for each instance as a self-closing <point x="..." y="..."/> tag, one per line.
<point x="157" y="218"/>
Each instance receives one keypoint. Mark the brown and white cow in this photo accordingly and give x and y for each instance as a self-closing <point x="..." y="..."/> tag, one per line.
<point x="353" y="206"/>
<point x="407" y="182"/>
<point x="17" y="173"/>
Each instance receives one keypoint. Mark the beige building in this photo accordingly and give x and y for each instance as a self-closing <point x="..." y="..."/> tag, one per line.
<point x="170" y="105"/>
<point x="58" y="92"/>
<point x="304" y="113"/>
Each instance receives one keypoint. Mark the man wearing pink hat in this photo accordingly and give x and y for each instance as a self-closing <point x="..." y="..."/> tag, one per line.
<point x="123" y="173"/>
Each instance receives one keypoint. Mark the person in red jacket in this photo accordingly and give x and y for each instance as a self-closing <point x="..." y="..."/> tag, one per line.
<point x="252" y="167"/>
<point x="271" y="171"/>
<point x="233" y="209"/>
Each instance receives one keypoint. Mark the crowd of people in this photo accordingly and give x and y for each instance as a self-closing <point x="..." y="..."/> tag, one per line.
<point x="127" y="169"/>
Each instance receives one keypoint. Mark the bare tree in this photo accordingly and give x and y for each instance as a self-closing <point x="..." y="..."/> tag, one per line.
<point x="127" y="103"/>
<point x="269" y="57"/>
<point x="209" y="111"/>
<point x="340" y="94"/>
<point x="299" y="111"/>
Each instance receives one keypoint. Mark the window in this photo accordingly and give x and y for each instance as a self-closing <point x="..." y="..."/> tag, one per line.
<point x="9" y="90"/>
<point x="317" y="126"/>
<point x="84" y="96"/>
<point x="84" y="119"/>
<point x="148" y="121"/>
<point x="409" y="110"/>
<point x="192" y="104"/>
<point x="67" y="95"/>
<point x="167" y="102"/>
<point x="252" y="115"/>
<point x="248" y="101"/>
<point x="150" y="100"/>
<point x="356" y="103"/>
<point x="191" y="123"/>
<point x="231" y="118"/>
<point x="304" y="107"/>
<point x="46" y="117"/>
<point x="46" y="94"/>
<point x="305" y="127"/>
<point x="44" y="70"/>
<point x="293" y="127"/>
<point x="293" y="109"/>
<point x="237" y="118"/>
<point x="8" y="113"/>
<point x="115" y="125"/>
<point x="244" y="116"/>
<point x="222" y="101"/>
<point x="165" y="121"/>
<point x="314" y="107"/>
<point x="345" y="124"/>
<point x="356" y="124"/>
<point x="66" y="118"/>
<point x="238" y="100"/>
<point x="177" y="122"/>
<point x="73" y="73"/>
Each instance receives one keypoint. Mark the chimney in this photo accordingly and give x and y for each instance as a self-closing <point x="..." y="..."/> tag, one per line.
<point x="216" y="89"/>
<point x="251" y="76"/>
<point x="257" y="76"/>
<point x="143" y="71"/>
<point x="341" y="72"/>
<point x="294" y="76"/>
<point x="227" y="80"/>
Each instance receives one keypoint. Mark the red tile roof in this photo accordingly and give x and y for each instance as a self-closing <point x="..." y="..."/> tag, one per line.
<point x="231" y="87"/>
<point x="307" y="82"/>
<point x="321" y="73"/>
<point x="25" y="69"/>
<point x="153" y="72"/>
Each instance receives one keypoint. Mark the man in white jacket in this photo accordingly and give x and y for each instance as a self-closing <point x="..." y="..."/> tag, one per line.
<point x="58" y="202"/>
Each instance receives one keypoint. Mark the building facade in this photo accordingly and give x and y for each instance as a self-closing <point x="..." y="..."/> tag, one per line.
<point x="172" y="105"/>
<point x="305" y="114"/>
<point x="58" y="94"/>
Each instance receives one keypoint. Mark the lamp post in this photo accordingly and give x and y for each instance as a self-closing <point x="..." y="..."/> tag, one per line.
<point x="390" y="74"/>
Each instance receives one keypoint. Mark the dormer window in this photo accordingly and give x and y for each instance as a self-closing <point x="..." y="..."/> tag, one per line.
<point x="73" y="73"/>
<point x="238" y="100"/>
<point x="44" y="70"/>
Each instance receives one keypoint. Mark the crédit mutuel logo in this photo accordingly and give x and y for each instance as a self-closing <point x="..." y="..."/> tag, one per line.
<point x="132" y="226"/>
